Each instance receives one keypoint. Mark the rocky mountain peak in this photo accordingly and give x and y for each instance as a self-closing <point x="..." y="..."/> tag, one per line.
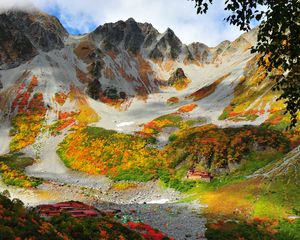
<point x="133" y="36"/>
<point x="126" y="34"/>
<point x="23" y="34"/>
<point x="199" y="51"/>
<point x="169" y="45"/>
<point x="130" y="20"/>
<point x="46" y="32"/>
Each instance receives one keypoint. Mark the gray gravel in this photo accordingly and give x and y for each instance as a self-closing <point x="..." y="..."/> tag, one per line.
<point x="145" y="203"/>
<point x="178" y="220"/>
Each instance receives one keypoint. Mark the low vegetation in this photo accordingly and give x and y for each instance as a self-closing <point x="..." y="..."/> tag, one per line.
<point x="254" y="97"/>
<point x="60" y="98"/>
<point x="255" y="229"/>
<point x="173" y="100"/>
<point x="120" y="156"/>
<point x="128" y="157"/>
<point x="30" y="114"/>
<point x="253" y="208"/>
<point x="178" y="80"/>
<point x="174" y="120"/>
<point x="17" y="222"/>
<point x="208" y="90"/>
<point x="251" y="102"/>
<point x="211" y="148"/>
<point x="12" y="168"/>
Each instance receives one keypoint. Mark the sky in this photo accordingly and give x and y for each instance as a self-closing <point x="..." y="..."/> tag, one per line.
<point x="82" y="16"/>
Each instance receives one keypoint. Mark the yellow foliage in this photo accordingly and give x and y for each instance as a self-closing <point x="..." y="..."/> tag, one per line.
<point x="111" y="153"/>
<point x="86" y="114"/>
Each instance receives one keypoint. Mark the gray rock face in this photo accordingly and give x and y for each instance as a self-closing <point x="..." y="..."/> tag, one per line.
<point x="134" y="37"/>
<point x="178" y="75"/>
<point x="15" y="46"/>
<point x="151" y="34"/>
<point x="22" y="34"/>
<point x="130" y="34"/>
<point x="94" y="89"/>
<point x="169" y="45"/>
<point x="112" y="33"/>
<point x="199" y="51"/>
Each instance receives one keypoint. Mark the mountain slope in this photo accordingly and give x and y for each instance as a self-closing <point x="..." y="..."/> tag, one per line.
<point x="23" y="34"/>
<point x="121" y="76"/>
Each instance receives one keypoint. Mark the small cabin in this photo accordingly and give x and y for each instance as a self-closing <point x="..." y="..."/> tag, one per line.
<point x="193" y="174"/>
<point x="76" y="209"/>
<point x="84" y="213"/>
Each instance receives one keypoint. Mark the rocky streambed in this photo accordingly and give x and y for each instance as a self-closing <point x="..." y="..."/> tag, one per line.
<point x="146" y="202"/>
<point x="177" y="220"/>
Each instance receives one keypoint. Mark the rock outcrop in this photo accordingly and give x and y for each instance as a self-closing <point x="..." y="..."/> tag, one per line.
<point x="23" y="35"/>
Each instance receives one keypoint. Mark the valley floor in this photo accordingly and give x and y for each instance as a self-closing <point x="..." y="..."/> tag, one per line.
<point x="258" y="199"/>
<point x="148" y="202"/>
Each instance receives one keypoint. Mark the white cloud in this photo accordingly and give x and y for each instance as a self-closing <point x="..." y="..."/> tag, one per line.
<point x="17" y="4"/>
<point x="179" y="15"/>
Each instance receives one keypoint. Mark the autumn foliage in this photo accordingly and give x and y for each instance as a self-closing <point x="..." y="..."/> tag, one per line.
<point x="15" y="178"/>
<point x="12" y="171"/>
<point x="207" y="90"/>
<point x="175" y="120"/>
<point x="187" y="108"/>
<point x="30" y="114"/>
<point x="17" y="222"/>
<point x="60" y="98"/>
<point x="213" y="148"/>
<point x="147" y="231"/>
<point x="120" y="156"/>
<point x="173" y="100"/>
<point x="178" y="80"/>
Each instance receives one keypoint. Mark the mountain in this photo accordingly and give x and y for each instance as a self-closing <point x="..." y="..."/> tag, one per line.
<point x="126" y="77"/>
<point x="128" y="103"/>
<point x="24" y="34"/>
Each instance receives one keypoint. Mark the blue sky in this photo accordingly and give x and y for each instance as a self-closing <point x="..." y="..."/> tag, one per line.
<point x="81" y="16"/>
<point x="66" y="18"/>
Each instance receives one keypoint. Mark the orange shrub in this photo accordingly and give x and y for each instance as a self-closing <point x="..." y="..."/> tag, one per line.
<point x="187" y="108"/>
<point x="173" y="100"/>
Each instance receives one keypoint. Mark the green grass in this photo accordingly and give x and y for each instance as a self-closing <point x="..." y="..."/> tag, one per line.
<point x="178" y="121"/>
<point x="172" y="181"/>
<point x="288" y="230"/>
<point x="232" y="230"/>
<point x="281" y="196"/>
<point x="172" y="117"/>
<point x="256" y="160"/>
<point x="252" y="162"/>
<point x="96" y="132"/>
<point x="15" y="164"/>
<point x="275" y="199"/>
<point x="265" y="207"/>
<point x="17" y="161"/>
<point x="133" y="174"/>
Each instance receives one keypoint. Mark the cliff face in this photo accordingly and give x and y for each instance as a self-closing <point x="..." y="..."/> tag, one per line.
<point x="23" y="34"/>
